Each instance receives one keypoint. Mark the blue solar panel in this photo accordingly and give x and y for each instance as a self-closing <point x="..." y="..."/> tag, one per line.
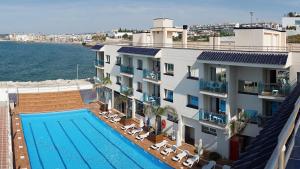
<point x="97" y="47"/>
<point x="139" y="51"/>
<point x="244" y="57"/>
<point x="260" y="150"/>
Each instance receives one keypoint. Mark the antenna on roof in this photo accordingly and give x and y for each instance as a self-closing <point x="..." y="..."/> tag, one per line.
<point x="251" y="15"/>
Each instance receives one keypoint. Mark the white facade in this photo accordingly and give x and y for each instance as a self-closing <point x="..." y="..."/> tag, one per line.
<point x="178" y="71"/>
<point x="291" y="24"/>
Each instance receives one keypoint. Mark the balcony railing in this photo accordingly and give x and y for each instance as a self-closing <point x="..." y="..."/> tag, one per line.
<point x="154" y="100"/>
<point x="152" y="75"/>
<point x="274" y="89"/>
<point x="99" y="63"/>
<point x="126" y="69"/>
<point x="217" y="118"/>
<point x="213" y="86"/>
<point x="126" y="90"/>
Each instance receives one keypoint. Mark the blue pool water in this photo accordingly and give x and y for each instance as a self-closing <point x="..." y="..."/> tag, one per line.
<point x="77" y="139"/>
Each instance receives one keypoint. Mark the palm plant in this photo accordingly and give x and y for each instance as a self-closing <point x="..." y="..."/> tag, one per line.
<point x="102" y="84"/>
<point x="153" y="111"/>
<point x="124" y="99"/>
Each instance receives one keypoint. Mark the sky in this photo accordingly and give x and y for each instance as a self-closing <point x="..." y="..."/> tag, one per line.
<point x="80" y="16"/>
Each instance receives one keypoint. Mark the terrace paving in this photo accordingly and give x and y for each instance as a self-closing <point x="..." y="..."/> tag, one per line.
<point x="4" y="137"/>
<point x="60" y="101"/>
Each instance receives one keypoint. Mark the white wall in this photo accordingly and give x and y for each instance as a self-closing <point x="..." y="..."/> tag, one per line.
<point x="181" y="86"/>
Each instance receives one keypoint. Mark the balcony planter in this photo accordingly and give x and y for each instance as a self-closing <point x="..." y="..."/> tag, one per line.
<point x="126" y="121"/>
<point x="156" y="138"/>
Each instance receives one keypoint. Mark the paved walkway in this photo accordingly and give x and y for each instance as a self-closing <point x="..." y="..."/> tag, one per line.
<point x="4" y="137"/>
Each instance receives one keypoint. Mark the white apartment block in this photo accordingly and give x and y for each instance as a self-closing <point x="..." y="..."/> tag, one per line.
<point x="291" y="24"/>
<point x="210" y="87"/>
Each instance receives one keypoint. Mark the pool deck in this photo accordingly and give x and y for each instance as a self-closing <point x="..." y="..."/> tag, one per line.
<point x="21" y="159"/>
<point x="4" y="137"/>
<point x="145" y="144"/>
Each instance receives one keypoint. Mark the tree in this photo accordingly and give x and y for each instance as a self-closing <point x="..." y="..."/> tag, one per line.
<point x="124" y="99"/>
<point x="102" y="84"/>
<point x="125" y="36"/>
<point x="153" y="111"/>
<point x="98" y="37"/>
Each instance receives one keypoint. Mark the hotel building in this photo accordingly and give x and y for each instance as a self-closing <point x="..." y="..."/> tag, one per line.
<point x="223" y="94"/>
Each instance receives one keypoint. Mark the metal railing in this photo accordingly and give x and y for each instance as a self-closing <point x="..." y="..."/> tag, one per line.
<point x="206" y="46"/>
<point x="126" y="69"/>
<point x="281" y="153"/>
<point x="213" y="86"/>
<point x="125" y="89"/>
<point x="217" y="118"/>
<point x="274" y="89"/>
<point x="99" y="63"/>
<point x="154" y="100"/>
<point x="152" y="75"/>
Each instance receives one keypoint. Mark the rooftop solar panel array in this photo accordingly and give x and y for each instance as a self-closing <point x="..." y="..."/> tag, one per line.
<point x="139" y="51"/>
<point x="245" y="57"/>
<point x="260" y="149"/>
<point x="97" y="47"/>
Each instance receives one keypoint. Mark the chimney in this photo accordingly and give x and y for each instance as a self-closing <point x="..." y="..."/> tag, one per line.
<point x="184" y="36"/>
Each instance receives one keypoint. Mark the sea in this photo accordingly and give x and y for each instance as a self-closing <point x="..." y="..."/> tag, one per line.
<point x="31" y="61"/>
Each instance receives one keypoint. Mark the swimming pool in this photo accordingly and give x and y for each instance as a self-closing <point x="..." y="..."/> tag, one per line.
<point x="77" y="139"/>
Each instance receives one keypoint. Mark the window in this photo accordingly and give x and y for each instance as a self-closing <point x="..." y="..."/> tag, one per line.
<point x="247" y="87"/>
<point x="209" y="130"/>
<point x="298" y="77"/>
<point x="139" y="64"/>
<point x="193" y="73"/>
<point x="139" y="87"/>
<point x="118" y="61"/>
<point x="169" y="69"/>
<point x="107" y="59"/>
<point x="119" y="80"/>
<point x="108" y="75"/>
<point x="192" y="102"/>
<point x="168" y="95"/>
<point x="218" y="74"/>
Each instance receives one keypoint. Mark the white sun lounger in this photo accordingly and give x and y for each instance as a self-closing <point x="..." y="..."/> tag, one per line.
<point x="157" y="146"/>
<point x="103" y="113"/>
<point x="108" y="115"/>
<point x="134" y="131"/>
<point x="169" y="150"/>
<point x="128" y="127"/>
<point x="115" y="119"/>
<point x="142" y="136"/>
<point x="191" y="161"/>
<point x="180" y="156"/>
<point x="211" y="165"/>
<point x="112" y="116"/>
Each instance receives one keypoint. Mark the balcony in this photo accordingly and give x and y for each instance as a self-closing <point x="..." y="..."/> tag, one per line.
<point x="273" y="90"/>
<point x="213" y="88"/>
<point x="215" y="118"/>
<point x="99" y="63"/>
<point x="126" y="90"/>
<point x="126" y="70"/>
<point x="153" y="100"/>
<point x="151" y="76"/>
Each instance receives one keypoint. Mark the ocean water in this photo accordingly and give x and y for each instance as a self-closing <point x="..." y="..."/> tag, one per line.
<point x="44" y="61"/>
